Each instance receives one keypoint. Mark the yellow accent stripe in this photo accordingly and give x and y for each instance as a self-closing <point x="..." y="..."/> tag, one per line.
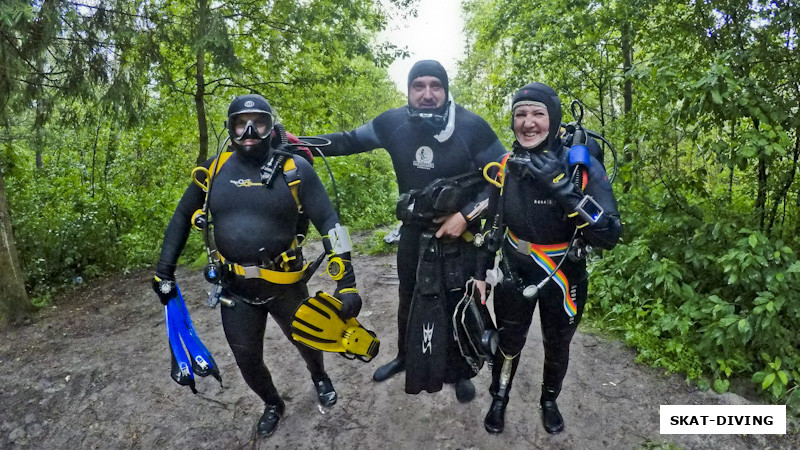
<point x="272" y="276"/>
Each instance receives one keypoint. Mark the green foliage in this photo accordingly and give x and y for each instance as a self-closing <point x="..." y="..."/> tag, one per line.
<point x="653" y="445"/>
<point x="375" y="245"/>
<point x="367" y="196"/>
<point x="703" y="307"/>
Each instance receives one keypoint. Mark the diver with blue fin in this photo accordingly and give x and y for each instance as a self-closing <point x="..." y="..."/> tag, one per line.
<point x="252" y="205"/>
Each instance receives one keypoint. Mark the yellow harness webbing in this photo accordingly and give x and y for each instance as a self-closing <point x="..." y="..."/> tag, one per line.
<point x="273" y="276"/>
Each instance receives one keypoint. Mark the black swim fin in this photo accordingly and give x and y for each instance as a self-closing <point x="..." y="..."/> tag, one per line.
<point x="426" y="335"/>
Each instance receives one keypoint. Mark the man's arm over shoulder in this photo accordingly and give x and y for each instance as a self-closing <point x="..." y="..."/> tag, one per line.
<point x="364" y="138"/>
<point x="485" y="148"/>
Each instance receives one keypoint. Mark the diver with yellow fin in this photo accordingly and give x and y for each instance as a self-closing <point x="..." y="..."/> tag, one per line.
<point x="252" y="218"/>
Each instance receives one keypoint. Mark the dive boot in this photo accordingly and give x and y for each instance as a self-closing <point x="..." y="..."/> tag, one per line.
<point x="465" y="390"/>
<point x="326" y="394"/>
<point x="495" y="419"/>
<point x="389" y="369"/>
<point x="270" y="419"/>
<point x="503" y="370"/>
<point x="551" y="417"/>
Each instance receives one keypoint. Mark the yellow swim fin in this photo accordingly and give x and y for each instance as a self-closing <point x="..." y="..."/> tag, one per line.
<point x="317" y="324"/>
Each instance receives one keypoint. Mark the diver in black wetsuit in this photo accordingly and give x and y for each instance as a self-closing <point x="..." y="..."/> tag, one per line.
<point x="547" y="209"/>
<point x="429" y="139"/>
<point x="254" y="225"/>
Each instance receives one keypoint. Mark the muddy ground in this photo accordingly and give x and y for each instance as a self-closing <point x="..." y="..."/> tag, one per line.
<point x="92" y="371"/>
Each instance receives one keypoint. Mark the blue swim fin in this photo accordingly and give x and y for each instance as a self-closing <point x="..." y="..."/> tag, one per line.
<point x="181" y="333"/>
<point x="181" y="369"/>
<point x="203" y="363"/>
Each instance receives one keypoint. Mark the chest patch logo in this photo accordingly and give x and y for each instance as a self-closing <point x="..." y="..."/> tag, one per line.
<point x="244" y="183"/>
<point x="424" y="158"/>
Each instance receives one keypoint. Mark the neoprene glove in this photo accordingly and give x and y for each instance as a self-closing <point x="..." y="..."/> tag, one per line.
<point x="548" y="170"/>
<point x="346" y="290"/>
<point x="351" y="301"/>
<point x="166" y="289"/>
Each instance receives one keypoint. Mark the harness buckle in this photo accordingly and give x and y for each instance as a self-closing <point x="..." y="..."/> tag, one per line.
<point x="251" y="272"/>
<point x="523" y="247"/>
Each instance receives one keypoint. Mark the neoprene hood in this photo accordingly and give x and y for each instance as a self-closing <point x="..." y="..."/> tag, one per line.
<point x="429" y="68"/>
<point x="540" y="92"/>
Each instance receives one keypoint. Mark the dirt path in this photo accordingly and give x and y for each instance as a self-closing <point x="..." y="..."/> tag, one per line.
<point x="93" y="372"/>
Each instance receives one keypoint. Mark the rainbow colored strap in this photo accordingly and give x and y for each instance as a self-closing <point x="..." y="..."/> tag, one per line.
<point x="542" y="255"/>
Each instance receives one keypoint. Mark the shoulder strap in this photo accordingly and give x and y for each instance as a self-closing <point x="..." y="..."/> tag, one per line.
<point x="217" y="164"/>
<point x="293" y="180"/>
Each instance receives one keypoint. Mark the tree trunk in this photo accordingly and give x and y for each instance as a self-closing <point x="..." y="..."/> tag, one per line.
<point x="627" y="64"/>
<point x="732" y="164"/>
<point x="200" y="92"/>
<point x="202" y="125"/>
<point x="781" y="194"/>
<point x="761" y="197"/>
<point x="761" y="194"/>
<point x="626" y="44"/>
<point x="39" y="138"/>
<point x="14" y="304"/>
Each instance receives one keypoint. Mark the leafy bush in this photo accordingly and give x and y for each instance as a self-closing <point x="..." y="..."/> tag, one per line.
<point x="375" y="245"/>
<point x="367" y="191"/>
<point x="691" y="303"/>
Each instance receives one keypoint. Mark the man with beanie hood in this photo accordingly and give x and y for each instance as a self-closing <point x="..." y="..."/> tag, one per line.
<point x="255" y="233"/>
<point x="553" y="216"/>
<point x="429" y="139"/>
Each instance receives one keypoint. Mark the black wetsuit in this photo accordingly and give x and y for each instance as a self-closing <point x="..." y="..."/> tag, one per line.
<point x="249" y="217"/>
<point x="419" y="159"/>
<point x="530" y="214"/>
